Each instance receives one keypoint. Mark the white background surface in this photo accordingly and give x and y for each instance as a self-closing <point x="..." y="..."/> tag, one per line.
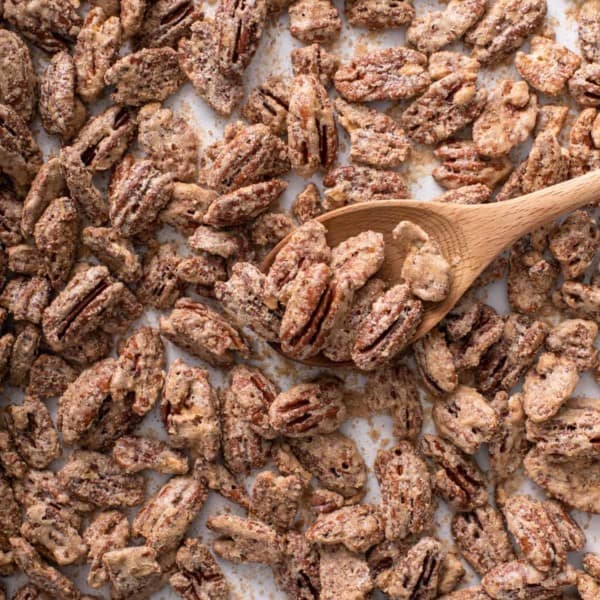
<point x="254" y="582"/>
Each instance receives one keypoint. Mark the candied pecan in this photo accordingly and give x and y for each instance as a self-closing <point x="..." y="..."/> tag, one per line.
<point x="322" y="501"/>
<point x="571" y="432"/>
<point x="10" y="218"/>
<point x="246" y="155"/>
<point x="357" y="527"/>
<point x="243" y="448"/>
<point x="187" y="207"/>
<point x="6" y="343"/>
<point x="425" y="269"/>
<point x="442" y="64"/>
<point x="137" y="193"/>
<point x="298" y="574"/>
<point x="61" y="111"/>
<point x="458" y="479"/>
<point x="569" y="530"/>
<point x="531" y="277"/>
<point x="133" y="572"/>
<point x="203" y="270"/>
<point x="96" y="478"/>
<point x="474" y="328"/>
<point x="407" y="499"/>
<point x="415" y="575"/>
<point x="508" y="446"/>
<point x="343" y="574"/>
<point x="275" y="500"/>
<point x="79" y="180"/>
<point x="360" y="184"/>
<point x="202" y="332"/>
<point x="139" y="372"/>
<point x="548" y="385"/>
<point x="225" y="244"/>
<point x="587" y="586"/>
<point x="572" y="481"/>
<point x="435" y="363"/>
<point x="388" y="328"/>
<point x="574" y="338"/>
<point x="93" y="348"/>
<point x="465" y="418"/>
<point x="40" y="573"/>
<point x="334" y="460"/>
<point x="445" y="108"/>
<point x="50" y="25"/>
<point x="113" y="250"/>
<point x="23" y="353"/>
<point x="305" y="247"/>
<point x="134" y="454"/>
<point x="340" y="341"/>
<point x="307" y="204"/>
<point x="25" y="260"/>
<point x="168" y="141"/>
<point x="245" y="540"/>
<point x="188" y="410"/>
<point x="55" y="538"/>
<point x="109" y="530"/>
<point x="451" y="574"/>
<point x="198" y="576"/>
<point x="375" y="139"/>
<point x="462" y="165"/>
<point x="20" y="155"/>
<point x="33" y="432"/>
<point x="221" y="480"/>
<point x="588" y="21"/>
<point x="504" y="28"/>
<point x="104" y="138"/>
<point x="315" y="60"/>
<point x="379" y="14"/>
<point x="311" y="129"/>
<point x="239" y="27"/>
<point x="584" y="86"/>
<point x="309" y="408"/>
<point x="507" y="120"/>
<point x="199" y="60"/>
<point x="268" y="104"/>
<point x="244" y="204"/>
<point x="358" y="258"/>
<point x="149" y="75"/>
<point x="89" y="415"/>
<point x="540" y="542"/>
<point x="160" y="286"/>
<point x="482" y="538"/>
<point x="26" y="298"/>
<point x="314" y="21"/>
<point x="96" y="49"/>
<point x="518" y="578"/>
<point x="434" y="30"/>
<point x="166" y="516"/>
<point x="18" y="84"/>
<point x="164" y="22"/>
<point x="270" y="228"/>
<point x="10" y="514"/>
<point x="10" y="459"/>
<point x="548" y="66"/>
<point x="56" y="236"/>
<point x="575" y="243"/>
<point x="390" y="74"/>
<point x="578" y="299"/>
<point x="317" y="304"/>
<point x="90" y="301"/>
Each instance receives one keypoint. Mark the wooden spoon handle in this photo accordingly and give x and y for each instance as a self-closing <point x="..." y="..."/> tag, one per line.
<point x="493" y="227"/>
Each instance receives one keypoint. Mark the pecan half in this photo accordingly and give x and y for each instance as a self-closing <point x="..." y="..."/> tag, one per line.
<point x="584" y="86"/>
<point x="379" y="14"/>
<point x="314" y="21"/>
<point x="268" y="104"/>
<point x="188" y="410"/>
<point x="164" y="22"/>
<point x="311" y="129"/>
<point x="275" y="500"/>
<point x="406" y="496"/>
<point x="435" y="363"/>
<point x="390" y="74"/>
<point x="134" y="454"/>
<point x="315" y="60"/>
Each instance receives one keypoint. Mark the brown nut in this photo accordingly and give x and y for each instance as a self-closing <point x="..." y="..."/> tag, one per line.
<point x="133" y="454"/>
<point x="343" y="574"/>
<point x="406" y="494"/>
<point x="588" y="22"/>
<point x="390" y="74"/>
<point x="298" y="574"/>
<point x="188" y="410"/>
<point x="160" y="286"/>
<point x="314" y="21"/>
<point x="584" y="86"/>
<point x="276" y="500"/>
<point x="315" y="60"/>
<point x="164" y="22"/>
<point x="435" y="363"/>
<point x="379" y="14"/>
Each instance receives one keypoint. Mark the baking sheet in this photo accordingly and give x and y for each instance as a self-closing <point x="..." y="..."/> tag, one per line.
<point x="255" y="582"/>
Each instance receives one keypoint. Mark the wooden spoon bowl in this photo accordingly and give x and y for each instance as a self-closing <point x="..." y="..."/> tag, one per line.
<point x="470" y="237"/>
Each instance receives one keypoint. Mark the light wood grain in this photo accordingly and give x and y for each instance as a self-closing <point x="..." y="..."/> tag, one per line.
<point x="470" y="237"/>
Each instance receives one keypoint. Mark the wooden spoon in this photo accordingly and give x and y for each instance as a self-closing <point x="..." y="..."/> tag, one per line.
<point x="470" y="237"/>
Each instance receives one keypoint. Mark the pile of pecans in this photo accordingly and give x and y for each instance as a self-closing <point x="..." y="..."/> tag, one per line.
<point x="81" y="262"/>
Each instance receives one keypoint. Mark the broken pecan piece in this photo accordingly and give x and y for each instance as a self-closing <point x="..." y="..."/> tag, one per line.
<point x="134" y="454"/>
<point x="314" y="21"/>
